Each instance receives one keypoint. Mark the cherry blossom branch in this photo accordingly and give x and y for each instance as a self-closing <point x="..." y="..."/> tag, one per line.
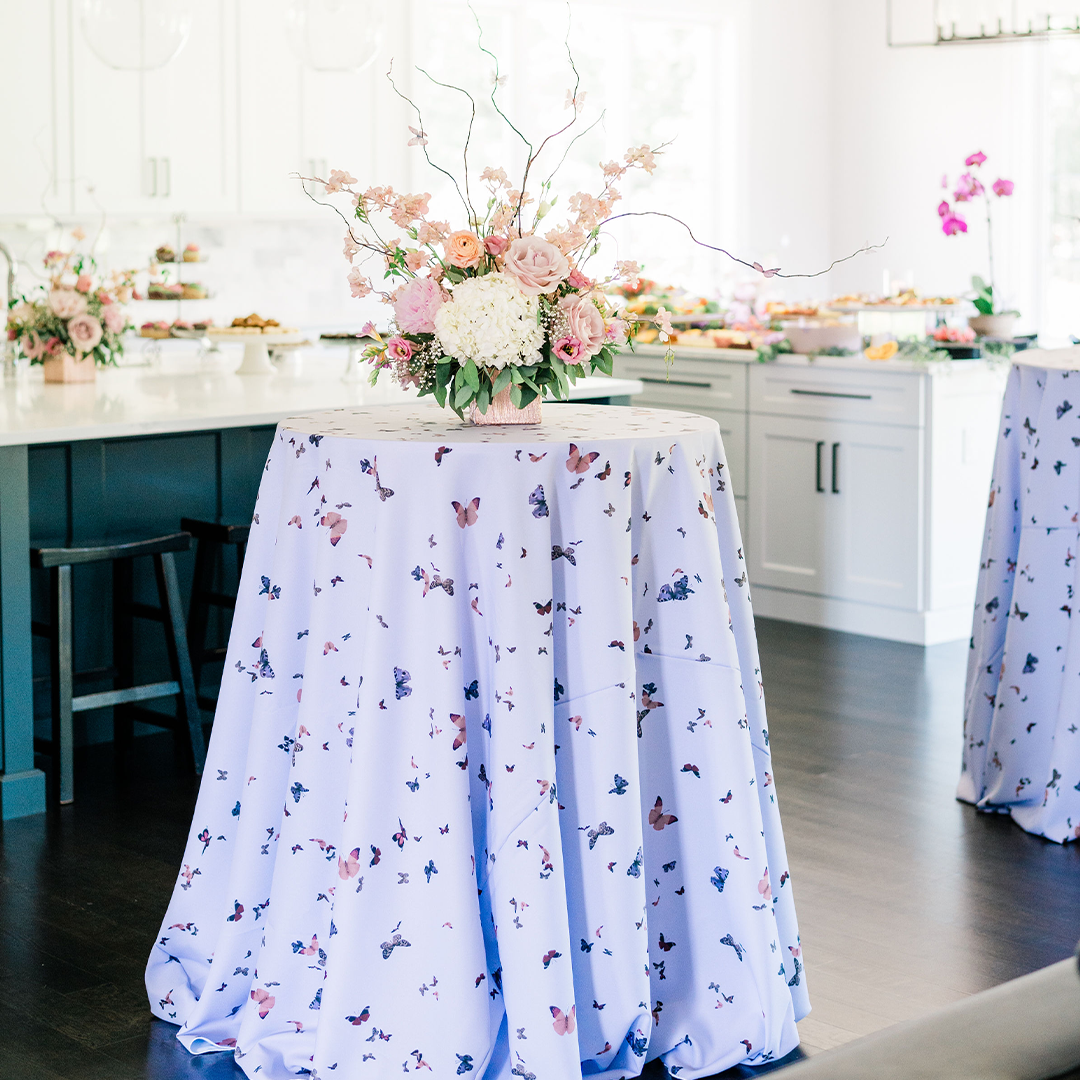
<point x="775" y="272"/>
<point x="473" y="220"/>
<point x="570" y="144"/>
<point x="421" y="138"/>
<point x="358" y="241"/>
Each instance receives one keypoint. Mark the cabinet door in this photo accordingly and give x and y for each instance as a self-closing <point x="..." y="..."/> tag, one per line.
<point x="29" y="180"/>
<point x="789" y="503"/>
<point x="875" y="492"/>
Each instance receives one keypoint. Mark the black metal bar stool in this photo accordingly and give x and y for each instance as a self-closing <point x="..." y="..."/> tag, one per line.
<point x="211" y="537"/>
<point x="188" y="720"/>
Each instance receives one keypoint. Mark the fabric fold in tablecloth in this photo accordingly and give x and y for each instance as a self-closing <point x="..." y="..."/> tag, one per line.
<point x="489" y="786"/>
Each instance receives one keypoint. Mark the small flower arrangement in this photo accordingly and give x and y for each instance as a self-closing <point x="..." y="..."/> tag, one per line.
<point x="970" y="187"/>
<point x="77" y="313"/>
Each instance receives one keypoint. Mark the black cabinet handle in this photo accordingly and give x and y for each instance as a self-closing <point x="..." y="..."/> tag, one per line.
<point x="820" y="447"/>
<point x="831" y="393"/>
<point x="835" y="456"/>
<point x="672" y="382"/>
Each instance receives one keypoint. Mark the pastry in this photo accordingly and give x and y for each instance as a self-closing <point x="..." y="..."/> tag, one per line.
<point x="165" y="254"/>
<point x="191" y="253"/>
<point x="194" y="290"/>
<point x="154" y="330"/>
<point x="159" y="290"/>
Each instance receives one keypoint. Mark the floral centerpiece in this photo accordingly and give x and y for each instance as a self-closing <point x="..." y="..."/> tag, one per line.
<point x="75" y="322"/>
<point x="502" y="309"/>
<point x="992" y="319"/>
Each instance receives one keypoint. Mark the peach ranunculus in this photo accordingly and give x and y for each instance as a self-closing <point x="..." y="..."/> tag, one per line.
<point x="84" y="332"/>
<point x="463" y="248"/>
<point x="84" y="284"/>
<point x="536" y="265"/>
<point x="585" y="323"/>
<point x="66" y="303"/>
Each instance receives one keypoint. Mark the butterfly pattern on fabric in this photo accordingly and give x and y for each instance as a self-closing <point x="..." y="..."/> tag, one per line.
<point x="473" y="709"/>
<point x="1021" y="750"/>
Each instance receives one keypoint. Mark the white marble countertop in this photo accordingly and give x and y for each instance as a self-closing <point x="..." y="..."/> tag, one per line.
<point x="180" y="392"/>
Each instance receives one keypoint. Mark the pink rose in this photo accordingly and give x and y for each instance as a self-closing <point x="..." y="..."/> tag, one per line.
<point x="496" y="245"/>
<point x="577" y="280"/>
<point x="569" y="350"/>
<point x="66" y="303"/>
<point x="1003" y="187"/>
<point x="584" y="323"/>
<point x="85" y="332"/>
<point x="115" y="319"/>
<point x="33" y="346"/>
<point x="84" y="283"/>
<point x="415" y="304"/>
<point x="536" y="265"/>
<point x="399" y="348"/>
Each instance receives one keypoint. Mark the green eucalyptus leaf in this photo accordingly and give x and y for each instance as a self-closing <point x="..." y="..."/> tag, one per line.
<point x="515" y="375"/>
<point x="527" y="396"/>
<point x="440" y="395"/>
<point x="483" y="399"/>
<point x="502" y="380"/>
<point x="472" y="375"/>
<point x="515" y="395"/>
<point x="463" y="395"/>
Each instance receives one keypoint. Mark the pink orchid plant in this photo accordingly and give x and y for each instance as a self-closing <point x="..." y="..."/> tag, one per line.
<point x="970" y="187"/>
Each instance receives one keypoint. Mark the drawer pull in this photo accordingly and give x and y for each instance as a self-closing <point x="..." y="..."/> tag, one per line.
<point x="817" y="483"/>
<point x="835" y="466"/>
<point x="674" y="382"/>
<point x="830" y="393"/>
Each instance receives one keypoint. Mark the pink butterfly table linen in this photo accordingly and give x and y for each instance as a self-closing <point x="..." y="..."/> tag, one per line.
<point x="489" y="789"/>
<point x="1022" y="703"/>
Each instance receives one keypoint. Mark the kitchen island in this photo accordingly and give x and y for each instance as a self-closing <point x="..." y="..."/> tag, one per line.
<point x="132" y="452"/>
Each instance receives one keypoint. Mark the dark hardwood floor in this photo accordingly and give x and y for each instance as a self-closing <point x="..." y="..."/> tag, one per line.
<point x="906" y="899"/>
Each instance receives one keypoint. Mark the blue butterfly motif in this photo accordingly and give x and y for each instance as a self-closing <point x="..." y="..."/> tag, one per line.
<point x="727" y="939"/>
<point x="679" y="591"/>
<point x="401" y="680"/>
<point x="413" y="785"/>
<point x="430" y="869"/>
<point x="638" y="1043"/>
<point x="297" y="790"/>
<point x="236" y="809"/>
<point x="719" y="878"/>
<point x="274" y="593"/>
<point x="262" y="666"/>
<point x="620" y="786"/>
<point x="559" y="688"/>
<point x="472" y="690"/>
<point x="315" y="439"/>
<point x="634" y="870"/>
<point x="538" y="502"/>
<point x="466" y="1063"/>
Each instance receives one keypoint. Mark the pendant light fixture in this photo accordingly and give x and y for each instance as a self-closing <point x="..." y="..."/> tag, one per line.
<point x="335" y="35"/>
<point x="135" y="35"/>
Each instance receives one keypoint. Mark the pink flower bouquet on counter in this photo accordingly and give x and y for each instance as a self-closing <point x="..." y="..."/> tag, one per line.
<point x="78" y="315"/>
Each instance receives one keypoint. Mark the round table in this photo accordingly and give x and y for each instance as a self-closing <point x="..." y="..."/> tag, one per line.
<point x="1022" y="703"/>
<point x="489" y="789"/>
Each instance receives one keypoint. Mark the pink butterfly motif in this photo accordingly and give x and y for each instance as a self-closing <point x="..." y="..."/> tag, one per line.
<point x="348" y="867"/>
<point x="467" y="515"/>
<point x="766" y="273"/>
<point x="295" y="520"/>
<point x="264" y="1000"/>
<point x="329" y="647"/>
<point x="578" y="462"/>
<point x="576" y="721"/>
<point x="657" y="818"/>
<point x="459" y="723"/>
<point x="764" y="887"/>
<point x="419" y="137"/>
<point x="312" y="949"/>
<point x="336" y="524"/>
<point x="564" y="1022"/>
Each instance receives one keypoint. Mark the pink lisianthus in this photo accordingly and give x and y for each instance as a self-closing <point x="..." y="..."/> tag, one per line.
<point x="975" y="159"/>
<point x="535" y="264"/>
<point x="952" y="223"/>
<point x="495" y="245"/>
<point x="415" y="304"/>
<point x="399" y="348"/>
<point x="66" y="303"/>
<point x="569" y="350"/>
<point x="358" y="284"/>
<point x="585" y="323"/>
<point x="1003" y="187"/>
<point x="84" y="283"/>
<point x="577" y="280"/>
<point x="115" y="319"/>
<point x="85" y="332"/>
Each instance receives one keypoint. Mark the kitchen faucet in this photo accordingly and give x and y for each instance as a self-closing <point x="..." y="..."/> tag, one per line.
<point x="9" y="346"/>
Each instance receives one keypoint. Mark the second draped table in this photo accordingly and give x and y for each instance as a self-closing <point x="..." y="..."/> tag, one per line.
<point x="489" y="789"/>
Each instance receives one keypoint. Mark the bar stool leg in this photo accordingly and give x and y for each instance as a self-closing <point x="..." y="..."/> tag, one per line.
<point x="60" y="648"/>
<point x="123" y="659"/>
<point x="202" y="584"/>
<point x="179" y="657"/>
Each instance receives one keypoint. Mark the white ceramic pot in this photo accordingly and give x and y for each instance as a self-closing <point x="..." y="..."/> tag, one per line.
<point x="993" y="326"/>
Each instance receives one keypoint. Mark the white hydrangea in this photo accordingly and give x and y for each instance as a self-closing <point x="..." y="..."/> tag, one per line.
<point x="490" y="321"/>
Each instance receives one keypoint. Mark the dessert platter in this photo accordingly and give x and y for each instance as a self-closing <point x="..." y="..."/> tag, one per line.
<point x="257" y="335"/>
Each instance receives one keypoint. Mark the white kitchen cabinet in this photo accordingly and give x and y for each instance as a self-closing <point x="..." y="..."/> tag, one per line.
<point x="864" y="484"/>
<point x="173" y="148"/>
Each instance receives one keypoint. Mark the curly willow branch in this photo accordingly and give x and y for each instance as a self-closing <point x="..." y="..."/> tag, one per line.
<point x="735" y="258"/>
<point x="468" y="138"/>
<point x="423" y="135"/>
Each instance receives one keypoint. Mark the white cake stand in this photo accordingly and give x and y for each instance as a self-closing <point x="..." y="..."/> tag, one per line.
<point x="256" y="353"/>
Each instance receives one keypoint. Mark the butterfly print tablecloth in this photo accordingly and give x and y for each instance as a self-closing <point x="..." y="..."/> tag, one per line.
<point x="489" y="789"/>
<point x="1022" y="706"/>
